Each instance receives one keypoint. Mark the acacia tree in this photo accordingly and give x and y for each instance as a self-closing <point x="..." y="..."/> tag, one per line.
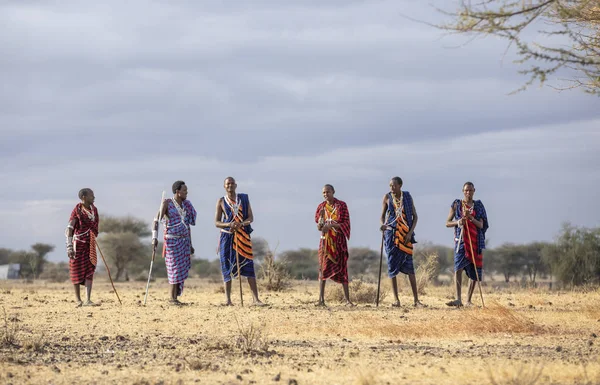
<point x="507" y="259"/>
<point x="121" y="243"/>
<point x="575" y="256"/>
<point x="569" y="36"/>
<point x="37" y="259"/>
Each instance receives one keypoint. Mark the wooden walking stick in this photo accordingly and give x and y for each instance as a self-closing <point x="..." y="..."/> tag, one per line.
<point x="322" y="245"/>
<point x="237" y="259"/>
<point x="466" y="228"/>
<point x="108" y="271"/>
<point x="156" y="221"/>
<point x="380" y="264"/>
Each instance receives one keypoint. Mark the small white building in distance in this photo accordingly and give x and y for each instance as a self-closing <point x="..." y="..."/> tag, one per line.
<point x="10" y="271"/>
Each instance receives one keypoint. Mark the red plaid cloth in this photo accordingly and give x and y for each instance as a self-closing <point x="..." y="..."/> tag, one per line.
<point x="85" y="230"/>
<point x="333" y="250"/>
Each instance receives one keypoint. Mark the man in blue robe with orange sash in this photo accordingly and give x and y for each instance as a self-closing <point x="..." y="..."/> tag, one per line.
<point x="233" y="215"/>
<point x="469" y="220"/>
<point x="398" y="221"/>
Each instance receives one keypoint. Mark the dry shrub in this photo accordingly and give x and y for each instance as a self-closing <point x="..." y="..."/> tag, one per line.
<point x="496" y="318"/>
<point x="250" y="339"/>
<point x="56" y="272"/>
<point x="426" y="272"/>
<point x="593" y="311"/>
<point x="35" y="343"/>
<point x="10" y="331"/>
<point x="198" y="364"/>
<point x="360" y="292"/>
<point x="220" y="289"/>
<point x="468" y="322"/>
<point x="274" y="274"/>
<point x="523" y="376"/>
<point x="365" y="379"/>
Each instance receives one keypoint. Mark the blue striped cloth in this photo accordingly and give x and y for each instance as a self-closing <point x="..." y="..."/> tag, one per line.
<point x="178" y="243"/>
<point x="226" y="253"/>
<point x="398" y="261"/>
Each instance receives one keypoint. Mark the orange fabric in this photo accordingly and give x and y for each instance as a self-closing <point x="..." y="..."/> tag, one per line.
<point x="401" y="231"/>
<point x="93" y="255"/>
<point x="242" y="243"/>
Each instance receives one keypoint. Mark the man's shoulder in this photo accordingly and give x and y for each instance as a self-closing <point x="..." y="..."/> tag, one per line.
<point x="341" y="202"/>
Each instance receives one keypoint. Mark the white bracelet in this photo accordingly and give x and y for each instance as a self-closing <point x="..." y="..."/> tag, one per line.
<point x="69" y="241"/>
<point x="154" y="234"/>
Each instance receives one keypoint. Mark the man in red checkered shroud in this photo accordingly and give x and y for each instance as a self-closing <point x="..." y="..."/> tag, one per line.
<point x="81" y="235"/>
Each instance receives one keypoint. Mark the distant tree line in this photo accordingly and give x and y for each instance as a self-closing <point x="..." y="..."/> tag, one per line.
<point x="573" y="259"/>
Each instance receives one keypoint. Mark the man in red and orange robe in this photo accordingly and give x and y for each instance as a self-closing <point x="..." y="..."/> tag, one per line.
<point x="81" y="235"/>
<point x="333" y="221"/>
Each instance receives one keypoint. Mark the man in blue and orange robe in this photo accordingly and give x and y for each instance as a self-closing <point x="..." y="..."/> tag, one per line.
<point x="398" y="221"/>
<point x="469" y="220"/>
<point x="233" y="215"/>
<point x="333" y="221"/>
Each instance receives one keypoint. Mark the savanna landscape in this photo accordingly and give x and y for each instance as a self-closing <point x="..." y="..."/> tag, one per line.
<point x="522" y="336"/>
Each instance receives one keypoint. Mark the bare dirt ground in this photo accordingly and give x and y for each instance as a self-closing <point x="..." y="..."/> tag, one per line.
<point x="521" y="337"/>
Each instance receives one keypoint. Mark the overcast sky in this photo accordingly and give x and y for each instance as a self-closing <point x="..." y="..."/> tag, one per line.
<point x="127" y="97"/>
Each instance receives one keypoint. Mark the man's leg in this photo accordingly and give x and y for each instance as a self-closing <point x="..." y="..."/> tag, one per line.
<point x="458" y="283"/>
<point x="413" y="284"/>
<point x="321" y="293"/>
<point x="88" y="290"/>
<point x="228" y="293"/>
<point x="470" y="292"/>
<point x="395" y="290"/>
<point x="77" y="294"/>
<point x="174" y="290"/>
<point x="254" y="288"/>
<point x="347" y="294"/>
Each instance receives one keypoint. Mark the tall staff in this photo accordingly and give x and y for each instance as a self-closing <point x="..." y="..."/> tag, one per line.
<point x="154" y="242"/>
<point x="237" y="261"/>
<point x="466" y="228"/>
<point x="323" y="243"/>
<point x="107" y="270"/>
<point x="380" y="261"/>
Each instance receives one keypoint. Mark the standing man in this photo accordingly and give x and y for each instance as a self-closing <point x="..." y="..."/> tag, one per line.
<point x="333" y="221"/>
<point x="178" y="214"/>
<point x="81" y="233"/>
<point x="233" y="215"/>
<point x="399" y="209"/>
<point x="467" y="215"/>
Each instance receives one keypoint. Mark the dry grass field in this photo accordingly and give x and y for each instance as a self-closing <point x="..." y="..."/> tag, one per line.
<point x="521" y="337"/>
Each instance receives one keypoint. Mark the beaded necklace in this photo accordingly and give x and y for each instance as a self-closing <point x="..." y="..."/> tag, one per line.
<point x="90" y="213"/>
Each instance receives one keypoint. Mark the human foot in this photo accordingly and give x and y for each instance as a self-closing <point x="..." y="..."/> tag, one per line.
<point x="456" y="303"/>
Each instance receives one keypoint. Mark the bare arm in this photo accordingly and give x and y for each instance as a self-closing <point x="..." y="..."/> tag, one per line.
<point x="250" y="218"/>
<point x="163" y="209"/>
<point x="383" y="212"/>
<point x="450" y="222"/>
<point x="69" y="234"/>
<point x="160" y="214"/>
<point x="219" y="211"/>
<point x="415" y="218"/>
<point x="70" y="230"/>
